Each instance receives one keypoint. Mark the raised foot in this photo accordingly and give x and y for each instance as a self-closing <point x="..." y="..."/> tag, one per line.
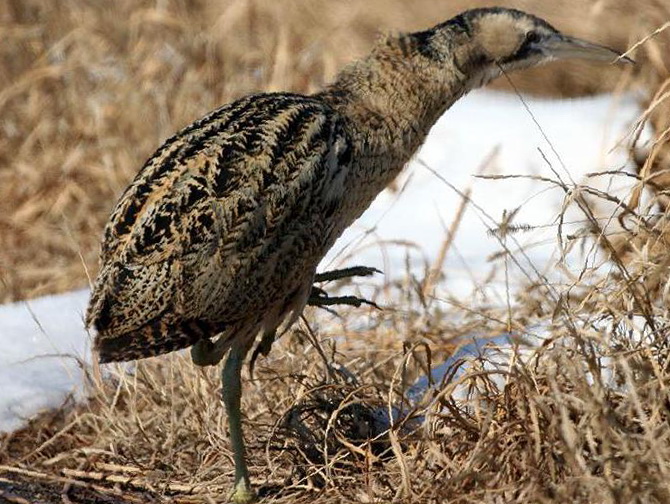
<point x="319" y="297"/>
<point x="243" y="494"/>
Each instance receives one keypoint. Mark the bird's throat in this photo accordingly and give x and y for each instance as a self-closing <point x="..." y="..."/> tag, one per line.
<point x="392" y="98"/>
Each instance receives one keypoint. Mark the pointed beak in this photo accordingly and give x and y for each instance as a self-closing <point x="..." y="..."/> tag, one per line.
<point x="563" y="47"/>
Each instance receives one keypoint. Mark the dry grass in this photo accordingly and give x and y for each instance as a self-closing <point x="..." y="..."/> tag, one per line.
<point x="89" y="89"/>
<point x="550" y="427"/>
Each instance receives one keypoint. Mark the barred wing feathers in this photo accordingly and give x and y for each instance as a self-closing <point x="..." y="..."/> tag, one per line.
<point x="193" y="244"/>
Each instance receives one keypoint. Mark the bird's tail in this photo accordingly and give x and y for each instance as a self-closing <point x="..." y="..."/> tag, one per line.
<point x="154" y="338"/>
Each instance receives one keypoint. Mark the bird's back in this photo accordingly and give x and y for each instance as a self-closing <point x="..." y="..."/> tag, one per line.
<point x="223" y="221"/>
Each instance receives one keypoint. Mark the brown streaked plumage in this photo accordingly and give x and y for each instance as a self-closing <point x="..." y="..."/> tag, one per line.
<point x="237" y="189"/>
<point x="220" y="233"/>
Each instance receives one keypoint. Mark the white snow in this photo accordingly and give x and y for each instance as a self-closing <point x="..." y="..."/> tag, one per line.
<point x="43" y="338"/>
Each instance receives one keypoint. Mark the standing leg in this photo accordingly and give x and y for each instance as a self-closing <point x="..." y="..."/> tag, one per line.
<point x="232" y="393"/>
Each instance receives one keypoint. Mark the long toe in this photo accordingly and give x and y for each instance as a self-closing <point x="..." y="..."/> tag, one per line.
<point x="354" y="271"/>
<point x="324" y="300"/>
<point x="319" y="297"/>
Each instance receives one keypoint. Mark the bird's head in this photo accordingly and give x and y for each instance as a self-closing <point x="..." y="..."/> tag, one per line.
<point x="498" y="39"/>
<point x="513" y="38"/>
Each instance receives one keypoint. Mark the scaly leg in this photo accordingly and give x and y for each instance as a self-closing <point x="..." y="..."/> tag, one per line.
<point x="232" y="393"/>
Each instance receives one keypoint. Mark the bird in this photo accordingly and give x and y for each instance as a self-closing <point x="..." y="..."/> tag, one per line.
<point x="215" y="243"/>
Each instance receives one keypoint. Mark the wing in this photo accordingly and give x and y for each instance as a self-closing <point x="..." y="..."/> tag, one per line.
<point x="203" y="215"/>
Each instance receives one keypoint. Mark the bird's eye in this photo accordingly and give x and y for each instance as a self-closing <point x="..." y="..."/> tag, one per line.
<point x="531" y="38"/>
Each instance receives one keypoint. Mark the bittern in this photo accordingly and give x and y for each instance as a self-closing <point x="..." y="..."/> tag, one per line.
<point x="217" y="239"/>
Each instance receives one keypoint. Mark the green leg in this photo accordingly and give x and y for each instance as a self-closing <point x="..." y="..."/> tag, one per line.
<point x="232" y="393"/>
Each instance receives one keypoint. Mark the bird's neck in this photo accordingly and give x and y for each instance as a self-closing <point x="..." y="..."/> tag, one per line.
<point x="393" y="97"/>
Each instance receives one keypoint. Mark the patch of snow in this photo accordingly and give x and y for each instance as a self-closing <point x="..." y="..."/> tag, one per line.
<point x="41" y="342"/>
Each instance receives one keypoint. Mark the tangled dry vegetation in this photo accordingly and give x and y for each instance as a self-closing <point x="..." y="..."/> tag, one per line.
<point x="89" y="89"/>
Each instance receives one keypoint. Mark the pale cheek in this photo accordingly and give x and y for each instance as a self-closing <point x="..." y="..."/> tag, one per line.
<point x="498" y="42"/>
